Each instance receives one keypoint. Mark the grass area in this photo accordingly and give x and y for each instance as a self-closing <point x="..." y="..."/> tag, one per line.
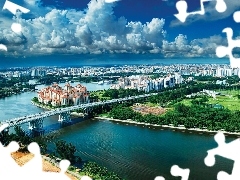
<point x="186" y="102"/>
<point x="149" y="104"/>
<point x="229" y="101"/>
<point x="100" y="95"/>
<point x="232" y="103"/>
<point x="104" y="115"/>
<point x="206" y="82"/>
<point x="230" y="92"/>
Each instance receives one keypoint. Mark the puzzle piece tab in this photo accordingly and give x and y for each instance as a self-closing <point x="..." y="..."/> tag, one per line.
<point x="86" y="178"/>
<point x="226" y="150"/>
<point x="9" y="169"/>
<point x="182" y="7"/>
<point x="16" y="27"/>
<point x="3" y="47"/>
<point x="12" y="7"/>
<point x="236" y="16"/>
<point x="222" y="51"/>
<point x="177" y="171"/>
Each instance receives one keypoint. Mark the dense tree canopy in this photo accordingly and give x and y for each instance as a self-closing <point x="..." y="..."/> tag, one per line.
<point x="194" y="116"/>
<point x="65" y="150"/>
<point x="95" y="171"/>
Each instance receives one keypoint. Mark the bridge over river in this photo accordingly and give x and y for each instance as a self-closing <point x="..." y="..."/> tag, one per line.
<point x="36" y="120"/>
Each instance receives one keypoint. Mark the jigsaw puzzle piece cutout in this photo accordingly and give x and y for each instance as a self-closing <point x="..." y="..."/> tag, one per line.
<point x="225" y="176"/>
<point x="5" y="156"/>
<point x="227" y="150"/>
<point x="34" y="166"/>
<point x="182" y="7"/>
<point x="88" y="178"/>
<point x="3" y="127"/>
<point x="5" y="153"/>
<point x="182" y="15"/>
<point x="222" y="51"/>
<point x="3" y="47"/>
<point x="33" y="169"/>
<point x="16" y="27"/>
<point x="176" y="171"/>
<point x="236" y="16"/>
<point x="9" y="169"/>
<point x="54" y="175"/>
<point x="12" y="7"/>
<point x="234" y="176"/>
<point x="221" y="6"/>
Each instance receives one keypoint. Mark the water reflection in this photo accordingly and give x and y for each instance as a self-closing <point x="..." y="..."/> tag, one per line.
<point x="142" y="153"/>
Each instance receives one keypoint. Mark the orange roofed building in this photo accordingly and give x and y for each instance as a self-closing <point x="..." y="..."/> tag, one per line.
<point x="68" y="95"/>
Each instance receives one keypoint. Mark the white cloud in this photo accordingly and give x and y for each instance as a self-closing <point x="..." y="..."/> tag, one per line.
<point x="96" y="31"/>
<point x="205" y="47"/>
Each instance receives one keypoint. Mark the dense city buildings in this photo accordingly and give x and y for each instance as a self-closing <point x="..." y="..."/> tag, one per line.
<point x="215" y="70"/>
<point x="146" y="83"/>
<point x="58" y="96"/>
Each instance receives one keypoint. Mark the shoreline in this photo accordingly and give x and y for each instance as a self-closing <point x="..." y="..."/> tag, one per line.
<point x="200" y="131"/>
<point x="54" y="162"/>
<point x="167" y="126"/>
<point x="48" y="108"/>
<point x="41" y="106"/>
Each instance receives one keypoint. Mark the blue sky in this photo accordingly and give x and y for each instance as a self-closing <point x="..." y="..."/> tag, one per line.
<point x="145" y="10"/>
<point x="124" y="27"/>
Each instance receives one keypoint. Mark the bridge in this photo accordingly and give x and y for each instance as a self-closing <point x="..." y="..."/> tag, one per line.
<point x="36" y="120"/>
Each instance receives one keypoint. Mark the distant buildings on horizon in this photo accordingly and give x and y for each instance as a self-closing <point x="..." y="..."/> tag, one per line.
<point x="182" y="69"/>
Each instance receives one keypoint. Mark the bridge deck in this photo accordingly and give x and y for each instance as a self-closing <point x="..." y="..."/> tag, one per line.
<point x="32" y="117"/>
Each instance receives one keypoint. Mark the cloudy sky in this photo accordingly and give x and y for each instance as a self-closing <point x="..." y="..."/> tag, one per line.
<point x="71" y="27"/>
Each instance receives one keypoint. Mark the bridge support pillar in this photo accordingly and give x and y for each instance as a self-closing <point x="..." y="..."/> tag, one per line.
<point x="65" y="117"/>
<point x="86" y="111"/>
<point x="3" y="136"/>
<point x="36" y="127"/>
<point x="90" y="111"/>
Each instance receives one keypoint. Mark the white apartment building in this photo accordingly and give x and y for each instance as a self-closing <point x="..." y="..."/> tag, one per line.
<point x="145" y="83"/>
<point x="220" y="72"/>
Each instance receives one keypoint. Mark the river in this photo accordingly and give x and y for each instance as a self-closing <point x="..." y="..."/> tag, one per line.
<point x="132" y="151"/>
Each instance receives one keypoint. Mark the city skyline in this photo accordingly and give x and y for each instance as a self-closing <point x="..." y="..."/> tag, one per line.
<point x="92" y="29"/>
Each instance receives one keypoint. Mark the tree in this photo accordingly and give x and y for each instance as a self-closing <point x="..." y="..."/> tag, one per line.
<point x="182" y="109"/>
<point x="35" y="99"/>
<point x="238" y="96"/>
<point x="65" y="150"/>
<point x="97" y="172"/>
<point x="22" y="137"/>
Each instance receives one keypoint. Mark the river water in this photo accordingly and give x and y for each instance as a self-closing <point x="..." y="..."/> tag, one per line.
<point x="133" y="151"/>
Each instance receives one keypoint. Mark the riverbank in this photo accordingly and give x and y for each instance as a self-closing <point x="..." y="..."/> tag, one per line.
<point x="41" y="106"/>
<point x="181" y="128"/>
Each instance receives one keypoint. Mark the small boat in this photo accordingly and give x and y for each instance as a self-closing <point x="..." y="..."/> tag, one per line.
<point x="107" y="82"/>
<point x="100" y="83"/>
